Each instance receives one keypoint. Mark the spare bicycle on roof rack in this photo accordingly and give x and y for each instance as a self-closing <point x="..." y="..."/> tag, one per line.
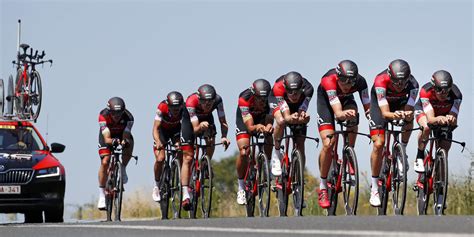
<point x="24" y="95"/>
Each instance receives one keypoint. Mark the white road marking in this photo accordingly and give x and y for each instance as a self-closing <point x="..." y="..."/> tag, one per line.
<point x="249" y="230"/>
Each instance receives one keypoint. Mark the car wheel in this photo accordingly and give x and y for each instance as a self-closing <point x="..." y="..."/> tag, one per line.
<point x="54" y="214"/>
<point x="34" y="217"/>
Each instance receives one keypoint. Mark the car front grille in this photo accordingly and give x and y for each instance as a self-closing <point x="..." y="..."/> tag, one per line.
<point x="16" y="176"/>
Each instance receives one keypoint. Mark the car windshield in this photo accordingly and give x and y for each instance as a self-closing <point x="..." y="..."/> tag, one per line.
<point x="19" y="138"/>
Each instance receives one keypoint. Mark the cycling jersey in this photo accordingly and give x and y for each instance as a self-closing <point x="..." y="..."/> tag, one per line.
<point x="284" y="103"/>
<point x="174" y="126"/>
<point x="248" y="108"/>
<point x="383" y="93"/>
<point x="330" y="93"/>
<point x="116" y="129"/>
<point x="428" y="101"/>
<point x="197" y="113"/>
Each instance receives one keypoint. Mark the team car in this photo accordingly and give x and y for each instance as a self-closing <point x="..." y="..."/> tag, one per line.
<point x="32" y="180"/>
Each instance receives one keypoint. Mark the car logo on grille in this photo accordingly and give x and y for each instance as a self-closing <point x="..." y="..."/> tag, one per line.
<point x="2" y="167"/>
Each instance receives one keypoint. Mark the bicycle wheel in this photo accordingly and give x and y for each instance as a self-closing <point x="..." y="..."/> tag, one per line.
<point x="250" y="190"/>
<point x="264" y="185"/>
<point x="383" y="189"/>
<point x="118" y="191"/>
<point x="440" y="182"/>
<point x="165" y="190"/>
<point x="283" y="192"/>
<point x="194" y="189"/>
<point x="422" y="195"/>
<point x="399" y="179"/>
<point x="350" y="181"/>
<point x="205" y="179"/>
<point x="2" y="98"/>
<point x="10" y="96"/>
<point x="297" y="182"/>
<point x="35" y="95"/>
<point x="109" y="191"/>
<point x="19" y="95"/>
<point x="332" y="192"/>
<point x="175" y="189"/>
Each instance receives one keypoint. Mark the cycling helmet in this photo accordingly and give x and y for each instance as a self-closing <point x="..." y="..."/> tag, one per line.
<point x="347" y="69"/>
<point x="116" y="104"/>
<point x="206" y="92"/>
<point x="293" y="81"/>
<point x="261" y="88"/>
<point x="399" y="70"/>
<point x="174" y="98"/>
<point x="442" y="80"/>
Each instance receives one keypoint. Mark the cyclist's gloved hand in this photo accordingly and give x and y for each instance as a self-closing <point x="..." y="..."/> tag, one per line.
<point x="269" y="129"/>
<point x="204" y="126"/>
<point x="115" y="142"/>
<point x="226" y="143"/>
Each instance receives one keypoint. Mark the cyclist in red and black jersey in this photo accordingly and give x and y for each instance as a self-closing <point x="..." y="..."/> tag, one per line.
<point x="200" y="106"/>
<point x="115" y="123"/>
<point x="439" y="104"/>
<point x="393" y="97"/>
<point x="336" y="99"/>
<point x="172" y="121"/>
<point x="253" y="116"/>
<point x="292" y="93"/>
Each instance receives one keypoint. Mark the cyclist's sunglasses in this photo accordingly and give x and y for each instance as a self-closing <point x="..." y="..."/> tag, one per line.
<point x="116" y="113"/>
<point x="206" y="102"/>
<point x="294" y="91"/>
<point x="348" y="80"/>
<point x="399" y="81"/>
<point x="442" y="90"/>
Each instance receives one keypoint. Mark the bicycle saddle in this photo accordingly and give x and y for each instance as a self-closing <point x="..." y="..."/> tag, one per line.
<point x="24" y="46"/>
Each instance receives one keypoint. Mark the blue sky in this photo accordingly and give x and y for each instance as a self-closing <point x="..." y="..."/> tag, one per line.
<point x="141" y="50"/>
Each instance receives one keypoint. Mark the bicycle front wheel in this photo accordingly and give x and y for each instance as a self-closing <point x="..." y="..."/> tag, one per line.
<point x="297" y="182"/>
<point x="165" y="190"/>
<point x="350" y="181"/>
<point x="175" y="189"/>
<point x="35" y="96"/>
<point x="118" y="189"/>
<point x="250" y="186"/>
<point x="440" y="182"/>
<point x="10" y="96"/>
<point x="110" y="191"/>
<point x="264" y="185"/>
<point x="206" y="186"/>
<point x="399" y="179"/>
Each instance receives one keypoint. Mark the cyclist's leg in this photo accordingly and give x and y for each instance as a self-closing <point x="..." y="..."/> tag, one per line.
<point x="187" y="145"/>
<point x="243" y="142"/>
<point x="377" y="133"/>
<point x="104" y="153"/>
<point x="128" y="151"/>
<point x="350" y="104"/>
<point x="160" y="154"/>
<point x="422" y="136"/>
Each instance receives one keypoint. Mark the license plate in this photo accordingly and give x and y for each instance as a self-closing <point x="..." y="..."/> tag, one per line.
<point x="10" y="189"/>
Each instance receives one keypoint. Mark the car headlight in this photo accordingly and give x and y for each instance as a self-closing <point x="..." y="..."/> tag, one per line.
<point x="48" y="172"/>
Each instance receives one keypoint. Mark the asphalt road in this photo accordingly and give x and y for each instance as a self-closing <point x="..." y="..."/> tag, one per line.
<point x="274" y="226"/>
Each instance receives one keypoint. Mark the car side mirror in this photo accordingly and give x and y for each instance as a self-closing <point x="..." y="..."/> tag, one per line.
<point x="57" y="147"/>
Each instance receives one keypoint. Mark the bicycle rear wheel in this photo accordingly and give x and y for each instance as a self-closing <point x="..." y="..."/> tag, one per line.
<point x="399" y="179"/>
<point x="350" y="181"/>
<point x="118" y="190"/>
<point x="423" y="195"/>
<point x="175" y="189"/>
<point x="440" y="182"/>
<point x="250" y="180"/>
<point x="264" y="185"/>
<point x="332" y="192"/>
<point x="35" y="95"/>
<point x="383" y="189"/>
<point x="194" y="189"/>
<point x="165" y="190"/>
<point x="110" y="191"/>
<point x="10" y="96"/>
<point x="2" y="97"/>
<point x="297" y="182"/>
<point x="283" y="192"/>
<point x="206" y="186"/>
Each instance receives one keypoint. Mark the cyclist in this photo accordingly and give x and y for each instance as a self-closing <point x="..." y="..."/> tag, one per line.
<point x="253" y="116"/>
<point x="200" y="106"/>
<point x="292" y="96"/>
<point x="336" y="99"/>
<point x="393" y="97"/>
<point x="115" y="123"/>
<point x="171" y="122"/>
<point x="439" y="104"/>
